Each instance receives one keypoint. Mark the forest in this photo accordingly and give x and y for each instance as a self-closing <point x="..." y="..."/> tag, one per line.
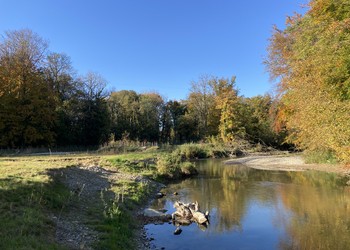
<point x="44" y="102"/>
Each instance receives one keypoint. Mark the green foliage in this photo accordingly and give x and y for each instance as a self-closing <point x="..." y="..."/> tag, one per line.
<point x="177" y="125"/>
<point x="135" y="116"/>
<point x="177" y="163"/>
<point x="188" y="169"/>
<point x="169" y="166"/>
<point x="201" y="107"/>
<point x="191" y="151"/>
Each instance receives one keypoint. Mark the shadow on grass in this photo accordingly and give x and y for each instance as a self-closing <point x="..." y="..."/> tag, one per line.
<point x="72" y="194"/>
<point x="93" y="217"/>
<point x="24" y="206"/>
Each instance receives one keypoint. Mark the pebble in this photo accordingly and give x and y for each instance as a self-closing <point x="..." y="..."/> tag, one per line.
<point x="159" y="195"/>
<point x="177" y="231"/>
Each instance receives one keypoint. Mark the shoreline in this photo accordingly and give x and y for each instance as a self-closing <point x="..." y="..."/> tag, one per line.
<point x="279" y="162"/>
<point x="286" y="163"/>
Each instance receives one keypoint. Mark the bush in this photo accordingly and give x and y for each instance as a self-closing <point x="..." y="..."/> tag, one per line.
<point x="201" y="151"/>
<point x="188" y="169"/>
<point x="174" y="166"/>
<point x="169" y="166"/>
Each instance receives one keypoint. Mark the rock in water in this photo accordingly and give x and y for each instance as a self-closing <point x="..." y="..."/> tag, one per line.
<point x="199" y="217"/>
<point x="177" y="231"/>
<point x="159" y="195"/>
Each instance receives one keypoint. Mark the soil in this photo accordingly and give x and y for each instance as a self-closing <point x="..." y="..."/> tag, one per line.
<point x="89" y="186"/>
<point x="286" y="163"/>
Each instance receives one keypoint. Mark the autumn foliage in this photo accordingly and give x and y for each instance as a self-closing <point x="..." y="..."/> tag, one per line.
<point x="310" y="59"/>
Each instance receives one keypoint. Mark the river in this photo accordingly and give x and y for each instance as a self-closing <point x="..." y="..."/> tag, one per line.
<point x="258" y="209"/>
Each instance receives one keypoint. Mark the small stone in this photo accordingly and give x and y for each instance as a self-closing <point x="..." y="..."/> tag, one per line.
<point x="159" y="195"/>
<point x="176" y="193"/>
<point x="177" y="231"/>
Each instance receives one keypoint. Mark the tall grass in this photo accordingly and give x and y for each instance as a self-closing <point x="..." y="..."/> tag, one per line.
<point x="320" y="157"/>
<point x="201" y="151"/>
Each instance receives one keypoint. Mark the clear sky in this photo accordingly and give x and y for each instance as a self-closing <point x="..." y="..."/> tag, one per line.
<point x="157" y="45"/>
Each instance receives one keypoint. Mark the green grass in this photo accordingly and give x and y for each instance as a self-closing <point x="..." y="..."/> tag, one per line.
<point x="320" y="157"/>
<point x="27" y="194"/>
<point x="118" y="223"/>
<point x="142" y="163"/>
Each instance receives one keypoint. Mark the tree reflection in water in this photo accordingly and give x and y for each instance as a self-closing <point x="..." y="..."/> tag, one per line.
<point x="294" y="210"/>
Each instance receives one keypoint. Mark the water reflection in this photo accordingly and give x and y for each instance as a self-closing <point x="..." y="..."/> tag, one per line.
<point x="256" y="209"/>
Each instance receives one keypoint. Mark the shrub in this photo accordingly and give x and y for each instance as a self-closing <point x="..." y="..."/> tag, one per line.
<point x="169" y="166"/>
<point x="188" y="169"/>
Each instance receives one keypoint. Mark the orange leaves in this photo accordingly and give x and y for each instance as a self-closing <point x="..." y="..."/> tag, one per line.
<point x="311" y="58"/>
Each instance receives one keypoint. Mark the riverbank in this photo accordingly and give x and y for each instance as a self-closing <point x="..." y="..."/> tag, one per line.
<point x="96" y="201"/>
<point x="73" y="201"/>
<point x="286" y="162"/>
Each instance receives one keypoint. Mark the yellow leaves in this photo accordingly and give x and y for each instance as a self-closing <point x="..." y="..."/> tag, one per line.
<point x="312" y="59"/>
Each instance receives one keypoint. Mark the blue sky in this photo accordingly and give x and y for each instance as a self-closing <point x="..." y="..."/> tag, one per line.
<point x="157" y="45"/>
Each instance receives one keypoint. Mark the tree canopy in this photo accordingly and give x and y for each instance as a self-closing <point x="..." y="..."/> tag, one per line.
<point x="310" y="58"/>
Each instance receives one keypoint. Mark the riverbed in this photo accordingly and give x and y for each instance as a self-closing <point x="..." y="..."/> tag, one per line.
<point x="258" y="209"/>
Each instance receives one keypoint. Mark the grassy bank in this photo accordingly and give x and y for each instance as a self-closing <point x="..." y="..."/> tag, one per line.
<point x="30" y="194"/>
<point x="27" y="196"/>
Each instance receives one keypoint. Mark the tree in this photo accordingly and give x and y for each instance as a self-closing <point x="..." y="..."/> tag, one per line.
<point x="95" y="117"/>
<point x="177" y="124"/>
<point x="27" y="110"/>
<point x="227" y="102"/>
<point x="201" y="105"/>
<point x="260" y="121"/>
<point x="311" y="61"/>
<point x="59" y="73"/>
<point x="124" y="107"/>
<point x="151" y="105"/>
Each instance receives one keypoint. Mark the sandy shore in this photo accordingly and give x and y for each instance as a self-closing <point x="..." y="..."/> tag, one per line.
<point x="286" y="163"/>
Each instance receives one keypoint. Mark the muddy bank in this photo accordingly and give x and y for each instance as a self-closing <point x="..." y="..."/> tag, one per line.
<point x="286" y="163"/>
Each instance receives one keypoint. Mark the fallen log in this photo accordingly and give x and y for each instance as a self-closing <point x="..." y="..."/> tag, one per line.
<point x="185" y="212"/>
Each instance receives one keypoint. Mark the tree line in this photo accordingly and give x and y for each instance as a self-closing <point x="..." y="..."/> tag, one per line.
<point x="310" y="59"/>
<point x="44" y="102"/>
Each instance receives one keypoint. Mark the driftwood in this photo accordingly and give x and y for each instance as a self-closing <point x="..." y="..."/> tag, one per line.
<point x="187" y="213"/>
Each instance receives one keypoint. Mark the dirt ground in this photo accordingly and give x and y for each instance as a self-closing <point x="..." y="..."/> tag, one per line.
<point x="286" y="163"/>
<point x="88" y="183"/>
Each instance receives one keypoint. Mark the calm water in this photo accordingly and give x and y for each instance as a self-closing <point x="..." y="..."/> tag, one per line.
<point x="256" y="209"/>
